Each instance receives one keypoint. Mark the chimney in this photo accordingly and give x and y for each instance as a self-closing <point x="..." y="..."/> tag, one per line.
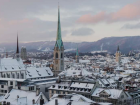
<point x="59" y="79"/>
<point x="4" y="103"/>
<point x="8" y="103"/>
<point x="56" y="102"/>
<point x="69" y="103"/>
<point x="17" y="96"/>
<point x="33" y="101"/>
<point x="37" y="91"/>
<point x="41" y="100"/>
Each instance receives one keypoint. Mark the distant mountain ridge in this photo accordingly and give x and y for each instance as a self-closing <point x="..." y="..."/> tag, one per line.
<point x="127" y="43"/>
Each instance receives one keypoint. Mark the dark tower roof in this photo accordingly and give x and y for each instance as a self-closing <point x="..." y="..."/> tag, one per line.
<point x="17" y="45"/>
<point x="118" y="49"/>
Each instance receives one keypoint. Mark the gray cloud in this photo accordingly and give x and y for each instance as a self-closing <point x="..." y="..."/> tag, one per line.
<point x="82" y="32"/>
<point x="23" y="16"/>
<point x="131" y="26"/>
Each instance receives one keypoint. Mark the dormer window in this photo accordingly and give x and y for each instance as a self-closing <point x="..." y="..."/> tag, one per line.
<point x="53" y="86"/>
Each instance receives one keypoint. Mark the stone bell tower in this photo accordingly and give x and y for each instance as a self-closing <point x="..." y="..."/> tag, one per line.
<point x="58" y="59"/>
<point x="118" y="56"/>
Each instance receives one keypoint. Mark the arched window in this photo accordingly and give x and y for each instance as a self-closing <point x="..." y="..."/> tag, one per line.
<point x="4" y="76"/>
<point x="17" y="75"/>
<point x="22" y="75"/>
<point x="56" y="55"/>
<point x="13" y="75"/>
<point x="61" y="55"/>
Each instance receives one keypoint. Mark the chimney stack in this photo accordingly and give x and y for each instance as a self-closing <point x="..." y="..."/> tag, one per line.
<point x="37" y="91"/>
<point x="8" y="103"/>
<point x="56" y="102"/>
<point x="4" y="103"/>
<point x="17" y="96"/>
<point x="33" y="101"/>
<point x="41" y="100"/>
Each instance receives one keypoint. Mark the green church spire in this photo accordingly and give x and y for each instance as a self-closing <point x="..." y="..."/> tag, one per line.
<point x="59" y="42"/>
<point x="77" y="53"/>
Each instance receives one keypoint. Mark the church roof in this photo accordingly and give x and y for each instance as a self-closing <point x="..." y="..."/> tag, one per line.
<point x="33" y="72"/>
<point x="11" y="64"/>
<point x="59" y="42"/>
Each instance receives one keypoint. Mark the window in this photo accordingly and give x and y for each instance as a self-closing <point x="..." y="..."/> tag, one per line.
<point x="61" y="62"/>
<point x="63" y="92"/>
<point x="61" y="55"/>
<point x="56" y="55"/>
<point x="2" y="86"/>
<point x="46" y="89"/>
<point x="32" y="88"/>
<point x="122" y="96"/>
<point x="4" y="76"/>
<point x="13" y="75"/>
<point x="52" y="91"/>
<point x="22" y="75"/>
<point x="11" y="83"/>
<point x="18" y="75"/>
<point x="5" y="91"/>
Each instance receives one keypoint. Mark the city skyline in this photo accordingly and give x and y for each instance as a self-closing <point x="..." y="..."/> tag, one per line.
<point x="88" y="20"/>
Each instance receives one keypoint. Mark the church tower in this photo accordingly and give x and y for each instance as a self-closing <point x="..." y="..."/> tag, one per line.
<point x="58" y="59"/>
<point x="118" y="56"/>
<point x="77" y="56"/>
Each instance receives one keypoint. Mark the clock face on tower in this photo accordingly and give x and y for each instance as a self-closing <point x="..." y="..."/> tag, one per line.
<point x="56" y="62"/>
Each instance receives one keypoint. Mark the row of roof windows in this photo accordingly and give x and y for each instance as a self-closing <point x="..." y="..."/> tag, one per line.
<point x="72" y="88"/>
<point x="11" y="67"/>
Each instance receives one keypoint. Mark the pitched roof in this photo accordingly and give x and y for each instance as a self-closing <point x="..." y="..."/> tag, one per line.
<point x="23" y="95"/>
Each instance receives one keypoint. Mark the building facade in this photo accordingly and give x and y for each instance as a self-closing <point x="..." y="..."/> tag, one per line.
<point x="23" y="53"/>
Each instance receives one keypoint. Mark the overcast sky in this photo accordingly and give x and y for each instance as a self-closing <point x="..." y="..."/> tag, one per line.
<point x="81" y="20"/>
